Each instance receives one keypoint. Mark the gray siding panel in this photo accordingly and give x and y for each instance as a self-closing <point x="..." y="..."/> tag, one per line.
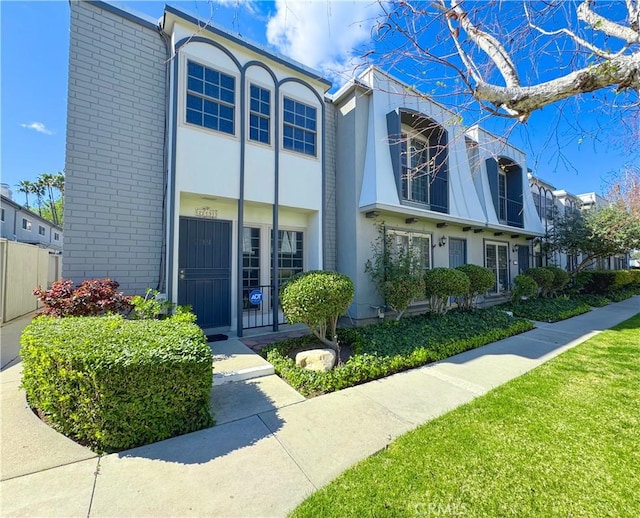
<point x="330" y="230"/>
<point x="115" y="149"/>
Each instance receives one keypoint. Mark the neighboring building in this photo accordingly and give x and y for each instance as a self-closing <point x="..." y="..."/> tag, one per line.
<point x="551" y="204"/>
<point x="190" y="152"/>
<point x="593" y="201"/>
<point x="404" y="163"/>
<point x="18" y="223"/>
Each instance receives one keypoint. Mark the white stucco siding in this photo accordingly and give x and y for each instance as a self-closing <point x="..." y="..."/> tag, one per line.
<point x="207" y="163"/>
<point x="259" y="173"/>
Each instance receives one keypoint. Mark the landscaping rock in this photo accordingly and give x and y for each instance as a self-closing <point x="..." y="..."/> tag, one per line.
<point x="321" y="360"/>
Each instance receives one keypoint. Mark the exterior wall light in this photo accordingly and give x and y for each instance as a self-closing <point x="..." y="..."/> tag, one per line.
<point x="442" y="241"/>
<point x="515" y="248"/>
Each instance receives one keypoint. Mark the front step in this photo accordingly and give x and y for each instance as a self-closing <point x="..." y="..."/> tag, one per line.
<point x="234" y="361"/>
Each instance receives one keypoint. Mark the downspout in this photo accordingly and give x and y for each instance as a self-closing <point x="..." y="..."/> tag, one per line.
<point x="162" y="274"/>
<point x="171" y="180"/>
<point x="275" y="279"/>
<point x="240" y="241"/>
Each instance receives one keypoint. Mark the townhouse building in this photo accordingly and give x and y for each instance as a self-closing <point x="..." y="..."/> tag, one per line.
<point x="406" y="166"/>
<point x="18" y="223"/>
<point x="196" y="164"/>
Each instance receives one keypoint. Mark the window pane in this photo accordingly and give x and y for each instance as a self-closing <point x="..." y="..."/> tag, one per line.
<point x="195" y="85"/>
<point x="195" y="70"/>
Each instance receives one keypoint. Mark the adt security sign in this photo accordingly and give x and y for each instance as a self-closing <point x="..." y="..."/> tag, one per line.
<point x="255" y="297"/>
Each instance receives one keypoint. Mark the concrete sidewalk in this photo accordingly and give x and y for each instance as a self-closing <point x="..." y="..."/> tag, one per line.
<point x="271" y="447"/>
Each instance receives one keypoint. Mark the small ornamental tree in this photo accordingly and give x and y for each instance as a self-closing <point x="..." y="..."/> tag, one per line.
<point x="481" y="280"/>
<point x="523" y="286"/>
<point x="442" y="283"/>
<point x="317" y="299"/>
<point x="543" y="277"/>
<point x="396" y="272"/>
<point x="89" y="298"/>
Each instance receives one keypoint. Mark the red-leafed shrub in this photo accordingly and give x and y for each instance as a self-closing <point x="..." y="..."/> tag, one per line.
<point x="90" y="298"/>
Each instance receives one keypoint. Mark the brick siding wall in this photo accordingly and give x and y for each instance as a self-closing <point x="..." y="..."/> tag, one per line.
<point x="115" y="150"/>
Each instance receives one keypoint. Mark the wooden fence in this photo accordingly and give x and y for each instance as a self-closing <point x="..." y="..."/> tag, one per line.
<point x="22" y="268"/>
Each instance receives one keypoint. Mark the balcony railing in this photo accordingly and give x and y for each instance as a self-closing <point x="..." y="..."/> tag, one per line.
<point x="514" y="214"/>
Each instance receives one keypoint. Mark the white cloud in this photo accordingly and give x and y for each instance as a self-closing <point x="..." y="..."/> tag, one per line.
<point x="323" y="34"/>
<point x="39" y="127"/>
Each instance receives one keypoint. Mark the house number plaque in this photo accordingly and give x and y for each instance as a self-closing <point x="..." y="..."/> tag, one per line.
<point x="207" y="212"/>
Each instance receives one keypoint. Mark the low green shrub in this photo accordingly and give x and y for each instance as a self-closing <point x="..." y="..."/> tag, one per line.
<point x="560" y="278"/>
<point x="442" y="283"/>
<point x="115" y="384"/>
<point x="621" y="294"/>
<point x="394" y="345"/>
<point x="481" y="280"/>
<point x="603" y="282"/>
<point x="543" y="277"/>
<point x="548" y="310"/>
<point x="523" y="286"/>
<point x="634" y="278"/>
<point x="595" y="301"/>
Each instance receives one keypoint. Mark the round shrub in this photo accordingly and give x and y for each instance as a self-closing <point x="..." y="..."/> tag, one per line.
<point x="560" y="278"/>
<point x="317" y="299"/>
<point x="524" y="286"/>
<point x="543" y="277"/>
<point x="441" y="283"/>
<point x="481" y="280"/>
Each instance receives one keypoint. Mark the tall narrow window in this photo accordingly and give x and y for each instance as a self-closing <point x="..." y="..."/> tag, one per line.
<point x="41" y="230"/>
<point x="502" y="196"/>
<point x="26" y="224"/>
<point x="290" y="254"/>
<point x="299" y="127"/>
<point x="496" y="259"/>
<point x="416" y="169"/>
<point x="259" y="114"/>
<point x="210" y="98"/>
<point x="250" y="262"/>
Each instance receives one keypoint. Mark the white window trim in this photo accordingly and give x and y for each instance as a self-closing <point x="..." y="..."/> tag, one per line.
<point x="504" y="244"/>
<point x="183" y="74"/>
<point x="319" y="126"/>
<point x="410" y="134"/>
<point x="247" y="116"/>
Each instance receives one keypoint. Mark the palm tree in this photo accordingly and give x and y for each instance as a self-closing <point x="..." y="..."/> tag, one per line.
<point x="59" y="184"/>
<point x="26" y="187"/>
<point x="48" y="181"/>
<point x="38" y="189"/>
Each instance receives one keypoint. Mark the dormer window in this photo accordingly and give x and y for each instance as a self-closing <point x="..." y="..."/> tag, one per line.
<point x="417" y="167"/>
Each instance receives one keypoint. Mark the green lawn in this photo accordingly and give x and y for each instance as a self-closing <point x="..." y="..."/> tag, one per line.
<point x="562" y="440"/>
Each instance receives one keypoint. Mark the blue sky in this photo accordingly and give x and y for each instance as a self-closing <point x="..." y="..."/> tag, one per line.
<point x="323" y="35"/>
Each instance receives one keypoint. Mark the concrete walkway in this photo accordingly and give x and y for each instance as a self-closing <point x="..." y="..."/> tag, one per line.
<point x="271" y="447"/>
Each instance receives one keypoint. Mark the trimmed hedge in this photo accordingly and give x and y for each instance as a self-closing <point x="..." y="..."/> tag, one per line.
<point x="603" y="282"/>
<point x="548" y="310"/>
<point x="543" y="277"/>
<point x="114" y="384"/>
<point x="392" y="346"/>
<point x="560" y="278"/>
<point x="524" y="286"/>
<point x="441" y="283"/>
<point x="481" y="280"/>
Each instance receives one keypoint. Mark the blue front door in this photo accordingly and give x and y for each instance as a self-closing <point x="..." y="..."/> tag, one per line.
<point x="204" y="270"/>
